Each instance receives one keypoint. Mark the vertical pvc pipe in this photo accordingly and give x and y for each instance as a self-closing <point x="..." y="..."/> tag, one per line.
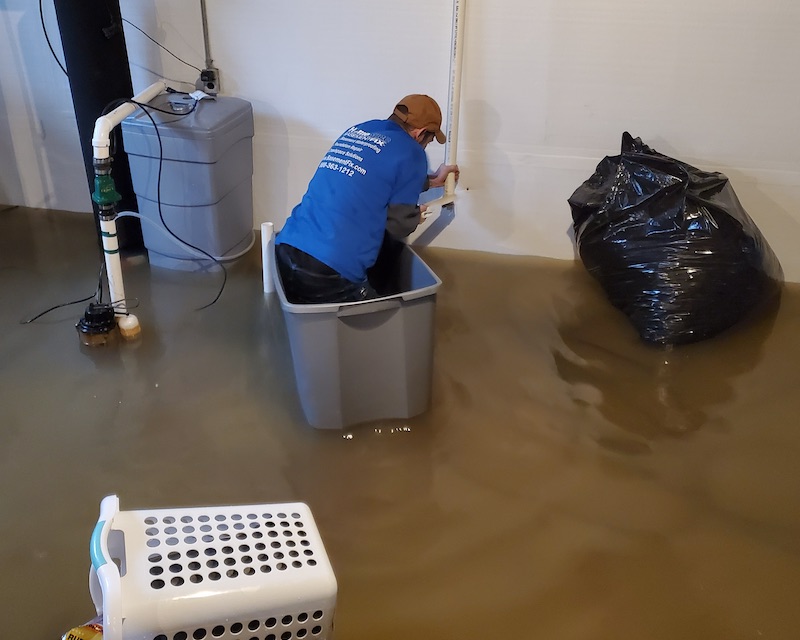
<point x="101" y="141"/>
<point x="436" y="207"/>
<point x="116" y="289"/>
<point x="454" y="97"/>
<point x="267" y="249"/>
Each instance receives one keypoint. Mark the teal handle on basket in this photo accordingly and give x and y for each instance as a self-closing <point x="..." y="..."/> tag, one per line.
<point x="95" y="548"/>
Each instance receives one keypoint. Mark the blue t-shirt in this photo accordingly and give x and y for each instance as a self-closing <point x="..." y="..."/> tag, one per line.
<point x="341" y="218"/>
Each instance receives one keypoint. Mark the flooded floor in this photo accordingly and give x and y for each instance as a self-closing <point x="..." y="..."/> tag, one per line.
<point x="567" y="482"/>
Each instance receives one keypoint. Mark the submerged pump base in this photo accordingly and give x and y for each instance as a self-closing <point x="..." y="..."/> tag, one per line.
<point x="97" y="325"/>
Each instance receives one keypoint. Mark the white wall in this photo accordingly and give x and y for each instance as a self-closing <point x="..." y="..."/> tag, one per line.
<point x="548" y="88"/>
<point x="40" y="156"/>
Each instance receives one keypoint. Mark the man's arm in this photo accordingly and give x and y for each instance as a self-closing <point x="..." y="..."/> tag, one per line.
<point x="402" y="219"/>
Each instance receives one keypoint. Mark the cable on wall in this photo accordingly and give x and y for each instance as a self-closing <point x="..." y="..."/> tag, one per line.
<point x="47" y="37"/>
<point x="64" y="69"/>
<point x="161" y="45"/>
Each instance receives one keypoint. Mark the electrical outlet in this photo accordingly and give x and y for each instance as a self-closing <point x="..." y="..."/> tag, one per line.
<point x="208" y="81"/>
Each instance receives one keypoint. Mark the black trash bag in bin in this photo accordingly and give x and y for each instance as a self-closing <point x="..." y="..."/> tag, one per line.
<point x="671" y="245"/>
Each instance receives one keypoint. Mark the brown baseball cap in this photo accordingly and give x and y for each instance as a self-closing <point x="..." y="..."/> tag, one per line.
<point x="421" y="112"/>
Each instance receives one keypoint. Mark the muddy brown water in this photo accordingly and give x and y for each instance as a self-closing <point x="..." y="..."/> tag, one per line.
<point x="567" y="482"/>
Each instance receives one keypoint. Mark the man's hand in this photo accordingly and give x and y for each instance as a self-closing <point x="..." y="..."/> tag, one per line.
<point x="438" y="179"/>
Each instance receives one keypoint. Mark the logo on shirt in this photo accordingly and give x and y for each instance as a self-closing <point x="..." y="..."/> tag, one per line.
<point x="375" y="141"/>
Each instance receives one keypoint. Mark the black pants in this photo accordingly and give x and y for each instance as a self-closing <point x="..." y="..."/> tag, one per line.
<point x="306" y="280"/>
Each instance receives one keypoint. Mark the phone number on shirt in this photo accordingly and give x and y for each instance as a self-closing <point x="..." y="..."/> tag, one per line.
<point x="342" y="168"/>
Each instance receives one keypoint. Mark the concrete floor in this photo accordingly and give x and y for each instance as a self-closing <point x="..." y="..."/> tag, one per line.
<point x="568" y="481"/>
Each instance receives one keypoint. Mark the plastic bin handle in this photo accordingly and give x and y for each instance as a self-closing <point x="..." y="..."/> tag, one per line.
<point x="97" y="550"/>
<point x="368" y="307"/>
<point x="98" y="545"/>
<point x="106" y="571"/>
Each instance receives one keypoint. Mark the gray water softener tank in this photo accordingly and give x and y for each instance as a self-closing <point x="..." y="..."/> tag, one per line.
<point x="206" y="185"/>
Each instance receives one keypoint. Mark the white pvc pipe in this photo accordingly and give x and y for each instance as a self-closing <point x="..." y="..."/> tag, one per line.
<point x="116" y="288"/>
<point x="453" y="106"/>
<point x="101" y="142"/>
<point x="267" y="248"/>
<point x="104" y="124"/>
<point x="454" y="97"/>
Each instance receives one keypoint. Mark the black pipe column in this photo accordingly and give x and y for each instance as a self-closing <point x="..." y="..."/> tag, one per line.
<point x="97" y="63"/>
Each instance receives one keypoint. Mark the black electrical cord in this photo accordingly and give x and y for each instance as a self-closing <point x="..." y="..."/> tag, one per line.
<point x="97" y="295"/>
<point x="170" y="113"/>
<point x="63" y="68"/>
<point x="162" y="46"/>
<point x="47" y="37"/>
<point x="144" y="108"/>
<point x="58" y="306"/>
<point x="126" y="302"/>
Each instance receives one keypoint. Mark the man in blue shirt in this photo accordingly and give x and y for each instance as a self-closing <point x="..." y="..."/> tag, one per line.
<point x="365" y="187"/>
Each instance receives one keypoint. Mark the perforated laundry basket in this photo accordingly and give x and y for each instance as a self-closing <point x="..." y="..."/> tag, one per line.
<point x="211" y="573"/>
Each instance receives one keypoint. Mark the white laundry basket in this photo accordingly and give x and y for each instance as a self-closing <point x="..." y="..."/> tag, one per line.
<point x="211" y="573"/>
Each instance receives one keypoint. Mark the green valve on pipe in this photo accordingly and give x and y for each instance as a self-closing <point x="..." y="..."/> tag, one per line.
<point x="104" y="192"/>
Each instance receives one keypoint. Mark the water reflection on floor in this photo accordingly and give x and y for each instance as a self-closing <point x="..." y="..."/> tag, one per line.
<point x="568" y="481"/>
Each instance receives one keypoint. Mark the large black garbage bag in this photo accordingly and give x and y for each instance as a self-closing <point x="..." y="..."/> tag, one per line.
<point x="671" y="245"/>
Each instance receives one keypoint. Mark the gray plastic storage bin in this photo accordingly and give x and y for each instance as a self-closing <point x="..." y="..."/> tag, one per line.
<point x="206" y="179"/>
<point x="370" y="360"/>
